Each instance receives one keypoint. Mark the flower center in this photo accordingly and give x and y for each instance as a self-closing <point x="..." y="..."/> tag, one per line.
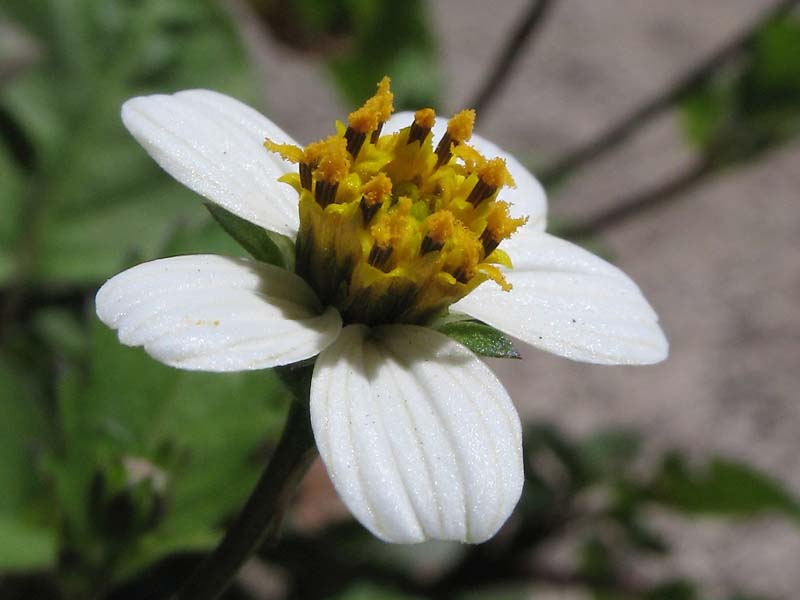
<point x="393" y="230"/>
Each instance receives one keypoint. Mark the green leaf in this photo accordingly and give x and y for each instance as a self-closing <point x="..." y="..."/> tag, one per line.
<point x="206" y="432"/>
<point x="25" y="540"/>
<point x="752" y="104"/>
<point x="608" y="452"/>
<point x="24" y="547"/>
<point x="263" y="245"/>
<point x="723" y="487"/>
<point x="92" y="201"/>
<point x="369" y="591"/>
<point x="390" y="38"/>
<point x="678" y="589"/>
<point x="482" y="339"/>
<point x="706" y="112"/>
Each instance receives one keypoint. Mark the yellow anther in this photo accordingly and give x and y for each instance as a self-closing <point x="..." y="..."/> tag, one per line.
<point x="440" y="226"/>
<point x="473" y="160"/>
<point x="374" y="111"/>
<point x="425" y="118"/>
<point x="495" y="275"/>
<point x="464" y="254"/>
<point x="383" y="100"/>
<point x="495" y="173"/>
<point x="460" y="126"/>
<point x="288" y="152"/>
<point x="363" y="119"/>
<point x="393" y="226"/>
<point x="330" y="158"/>
<point x="499" y="222"/>
<point x="377" y="189"/>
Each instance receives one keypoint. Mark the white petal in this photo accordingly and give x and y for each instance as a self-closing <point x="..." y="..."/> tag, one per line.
<point x="419" y="437"/>
<point x="213" y="144"/>
<point x="569" y="302"/>
<point x="214" y="313"/>
<point x="528" y="199"/>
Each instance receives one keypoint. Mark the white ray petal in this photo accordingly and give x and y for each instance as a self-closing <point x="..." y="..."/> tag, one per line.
<point x="214" y="313"/>
<point x="528" y="199"/>
<point x="420" y="438"/>
<point x="570" y="302"/>
<point x="213" y="144"/>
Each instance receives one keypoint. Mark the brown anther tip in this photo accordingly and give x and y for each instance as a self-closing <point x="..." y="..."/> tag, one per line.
<point x="461" y="125"/>
<point x="425" y="118"/>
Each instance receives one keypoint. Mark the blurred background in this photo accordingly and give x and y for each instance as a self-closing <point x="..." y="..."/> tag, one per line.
<point x="665" y="134"/>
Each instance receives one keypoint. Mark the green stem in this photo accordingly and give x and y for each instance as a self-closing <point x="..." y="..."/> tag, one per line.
<point x="260" y="519"/>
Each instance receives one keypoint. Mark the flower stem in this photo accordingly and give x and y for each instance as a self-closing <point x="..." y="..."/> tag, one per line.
<point x="260" y="519"/>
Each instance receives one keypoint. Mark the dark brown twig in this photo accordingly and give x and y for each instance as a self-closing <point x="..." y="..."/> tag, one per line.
<point x="639" y="202"/>
<point x="652" y="107"/>
<point x="511" y="52"/>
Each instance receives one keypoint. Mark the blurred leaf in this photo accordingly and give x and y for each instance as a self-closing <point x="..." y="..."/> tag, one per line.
<point x="369" y="591"/>
<point x="24" y="547"/>
<point x="641" y="537"/>
<point x="706" y="112"/>
<point x="597" y="563"/>
<point x="61" y="331"/>
<point x="391" y="38"/>
<point x="93" y="200"/>
<point x="201" y="430"/>
<point x="263" y="245"/>
<point x="608" y="452"/>
<point x="724" y="487"/>
<point x="481" y="338"/>
<point x="678" y="589"/>
<point x="751" y="105"/>
<point x="543" y="437"/>
<point x="25" y="540"/>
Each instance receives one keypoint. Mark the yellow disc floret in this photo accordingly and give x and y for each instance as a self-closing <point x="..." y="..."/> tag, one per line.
<point x="393" y="229"/>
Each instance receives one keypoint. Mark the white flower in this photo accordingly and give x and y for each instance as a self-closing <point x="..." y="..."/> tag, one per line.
<point x="420" y="439"/>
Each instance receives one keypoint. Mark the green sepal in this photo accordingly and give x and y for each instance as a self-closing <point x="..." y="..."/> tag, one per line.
<point x="266" y="246"/>
<point x="479" y="337"/>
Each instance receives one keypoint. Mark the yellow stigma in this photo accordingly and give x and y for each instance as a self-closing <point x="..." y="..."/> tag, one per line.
<point x="495" y="173"/>
<point x="330" y="157"/>
<point x="460" y="126"/>
<point x="425" y="117"/>
<point x="395" y="229"/>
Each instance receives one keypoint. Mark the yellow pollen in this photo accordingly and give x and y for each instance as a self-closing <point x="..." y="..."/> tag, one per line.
<point x="377" y="189"/>
<point x="374" y="111"/>
<point x="425" y="117"/>
<point x="383" y="100"/>
<point x="495" y="173"/>
<point x="364" y="119"/>
<point x="395" y="228"/>
<point x="499" y="222"/>
<point x="392" y="227"/>
<point x="465" y="253"/>
<point x="460" y="126"/>
<point x="440" y="226"/>
<point x="288" y="152"/>
<point x="330" y="157"/>
<point x="473" y="160"/>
